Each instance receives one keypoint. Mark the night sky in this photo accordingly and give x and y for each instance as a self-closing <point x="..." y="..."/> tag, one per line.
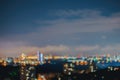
<point x="61" y="27"/>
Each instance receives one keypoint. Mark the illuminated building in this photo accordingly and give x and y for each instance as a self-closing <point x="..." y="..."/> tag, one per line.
<point x="22" y="73"/>
<point x="9" y="61"/>
<point x="68" y="68"/>
<point x="2" y="62"/>
<point x="41" y="77"/>
<point x="40" y="57"/>
<point x="28" y="73"/>
<point x="91" y="68"/>
<point x="23" y="56"/>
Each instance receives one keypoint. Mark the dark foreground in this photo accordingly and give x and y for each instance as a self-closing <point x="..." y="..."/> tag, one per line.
<point x="13" y="73"/>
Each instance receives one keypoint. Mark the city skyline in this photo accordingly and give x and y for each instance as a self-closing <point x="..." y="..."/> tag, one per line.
<point x="59" y="27"/>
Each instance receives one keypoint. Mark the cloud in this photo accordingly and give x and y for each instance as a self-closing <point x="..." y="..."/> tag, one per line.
<point x="87" y="48"/>
<point x="62" y="27"/>
<point x="49" y="37"/>
<point x="77" y="13"/>
<point x="65" y="28"/>
<point x="91" y="21"/>
<point x="60" y="48"/>
<point x="15" y="49"/>
<point x="111" y="48"/>
<point x="103" y="37"/>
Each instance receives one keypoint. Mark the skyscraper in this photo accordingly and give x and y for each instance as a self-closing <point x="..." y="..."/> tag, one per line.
<point x="40" y="57"/>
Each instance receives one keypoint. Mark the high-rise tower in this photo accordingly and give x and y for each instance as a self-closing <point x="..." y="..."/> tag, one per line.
<point x="40" y="57"/>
